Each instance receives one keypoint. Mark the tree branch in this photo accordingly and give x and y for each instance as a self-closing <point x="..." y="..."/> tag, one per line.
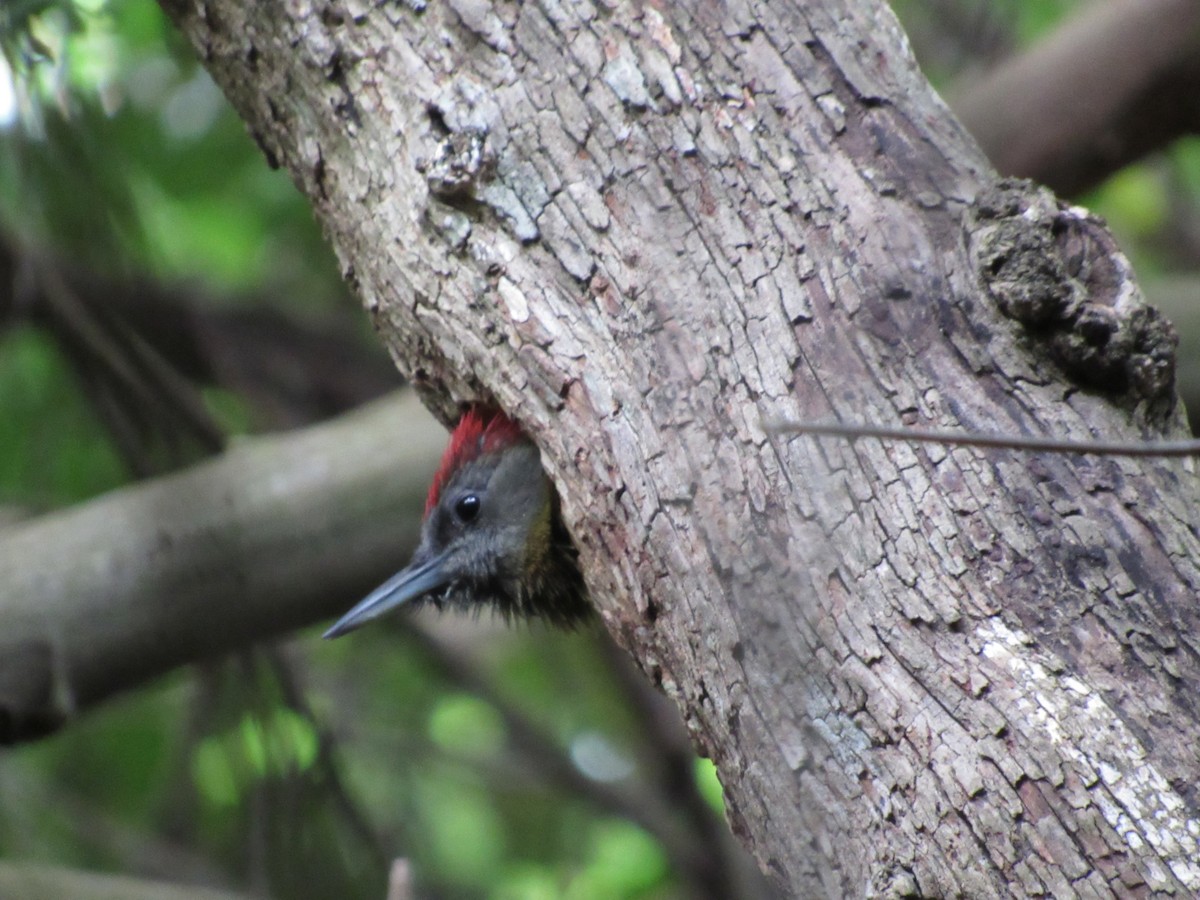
<point x="1111" y="85"/>
<point x="26" y="880"/>
<point x="275" y="534"/>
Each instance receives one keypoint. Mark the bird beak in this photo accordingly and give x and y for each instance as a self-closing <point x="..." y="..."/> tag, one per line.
<point x="407" y="584"/>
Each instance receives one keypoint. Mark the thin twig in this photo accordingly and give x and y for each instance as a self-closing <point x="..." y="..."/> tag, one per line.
<point x="327" y="756"/>
<point x="137" y="377"/>
<point x="1020" y="442"/>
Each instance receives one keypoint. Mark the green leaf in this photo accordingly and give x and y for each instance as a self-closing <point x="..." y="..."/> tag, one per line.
<point x="465" y="724"/>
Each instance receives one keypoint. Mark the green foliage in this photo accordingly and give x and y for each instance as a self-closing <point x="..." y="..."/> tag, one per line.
<point x="710" y="784"/>
<point x="1185" y="156"/>
<point x="83" y="796"/>
<point x="148" y="170"/>
<point x="624" y="862"/>
<point x="231" y="412"/>
<point x="1144" y="204"/>
<point x="1033" y="20"/>
<point x="1134" y="200"/>
<point x="52" y="450"/>
<point x="461" y="831"/>
<point x="967" y="36"/>
<point x="226" y="766"/>
<point x="465" y="724"/>
<point x="445" y="773"/>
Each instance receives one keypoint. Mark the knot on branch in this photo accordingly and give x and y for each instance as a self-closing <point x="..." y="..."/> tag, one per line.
<point x="1057" y="271"/>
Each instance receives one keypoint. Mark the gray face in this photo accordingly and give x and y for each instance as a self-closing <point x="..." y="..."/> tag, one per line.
<point x="493" y="538"/>
<point x="484" y="521"/>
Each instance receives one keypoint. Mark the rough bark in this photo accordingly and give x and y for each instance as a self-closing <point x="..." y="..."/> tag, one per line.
<point x="642" y="229"/>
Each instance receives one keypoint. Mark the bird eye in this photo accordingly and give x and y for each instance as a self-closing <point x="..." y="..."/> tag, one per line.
<point x="467" y="508"/>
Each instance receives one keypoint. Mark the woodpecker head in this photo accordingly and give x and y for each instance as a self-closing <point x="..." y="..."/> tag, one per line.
<point x="492" y="534"/>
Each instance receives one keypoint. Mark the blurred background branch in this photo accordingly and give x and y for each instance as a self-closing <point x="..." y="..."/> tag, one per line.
<point x="1113" y="83"/>
<point x="48" y="881"/>
<point x="273" y="535"/>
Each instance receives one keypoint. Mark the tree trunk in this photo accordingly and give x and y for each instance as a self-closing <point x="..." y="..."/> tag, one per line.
<point x="645" y="229"/>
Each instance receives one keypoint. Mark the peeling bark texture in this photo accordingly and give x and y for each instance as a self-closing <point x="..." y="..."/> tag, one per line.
<point x="644" y="228"/>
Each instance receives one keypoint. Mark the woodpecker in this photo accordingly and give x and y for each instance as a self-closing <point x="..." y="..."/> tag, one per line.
<point x="492" y="534"/>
